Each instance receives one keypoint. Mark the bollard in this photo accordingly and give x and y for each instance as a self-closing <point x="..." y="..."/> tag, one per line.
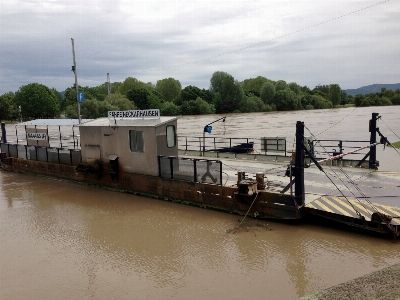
<point x="260" y="181"/>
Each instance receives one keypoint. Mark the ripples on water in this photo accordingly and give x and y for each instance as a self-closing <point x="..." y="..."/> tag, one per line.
<point x="61" y="240"/>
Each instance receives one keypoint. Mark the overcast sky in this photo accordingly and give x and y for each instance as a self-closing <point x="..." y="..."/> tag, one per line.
<point x="352" y="43"/>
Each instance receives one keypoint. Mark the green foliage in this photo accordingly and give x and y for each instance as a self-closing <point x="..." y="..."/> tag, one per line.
<point x="396" y="145"/>
<point x="139" y="97"/>
<point x="294" y="87"/>
<point x="227" y="92"/>
<point x="280" y="85"/>
<point x="267" y="93"/>
<point x="197" y="107"/>
<point x="8" y="110"/>
<point x="253" y="104"/>
<point x="216" y="81"/>
<point x="120" y="102"/>
<point x="286" y="100"/>
<point x="132" y="83"/>
<point x="169" y="109"/>
<point x="319" y="102"/>
<point x="254" y="85"/>
<point x="169" y="88"/>
<point x="334" y="94"/>
<point x="37" y="101"/>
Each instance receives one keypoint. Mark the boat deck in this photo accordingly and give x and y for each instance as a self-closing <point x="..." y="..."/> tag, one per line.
<point x="351" y="197"/>
<point x="356" y="212"/>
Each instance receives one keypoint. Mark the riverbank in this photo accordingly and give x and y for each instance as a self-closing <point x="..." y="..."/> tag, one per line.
<point x="383" y="284"/>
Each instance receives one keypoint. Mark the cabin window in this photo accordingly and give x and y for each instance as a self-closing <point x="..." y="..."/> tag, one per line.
<point x="136" y="141"/>
<point x="171" y="136"/>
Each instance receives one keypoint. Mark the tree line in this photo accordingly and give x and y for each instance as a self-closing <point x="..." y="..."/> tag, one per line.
<point x="225" y="95"/>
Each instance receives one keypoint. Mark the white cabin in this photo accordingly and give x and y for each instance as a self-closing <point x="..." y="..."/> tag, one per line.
<point x="134" y="138"/>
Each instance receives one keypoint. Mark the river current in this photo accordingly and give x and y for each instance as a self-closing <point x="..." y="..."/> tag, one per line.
<point x="61" y="240"/>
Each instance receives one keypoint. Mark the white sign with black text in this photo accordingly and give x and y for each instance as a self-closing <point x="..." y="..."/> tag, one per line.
<point x="147" y="113"/>
<point x="37" y="136"/>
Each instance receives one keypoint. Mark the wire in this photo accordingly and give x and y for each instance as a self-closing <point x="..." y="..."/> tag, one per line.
<point x="270" y="40"/>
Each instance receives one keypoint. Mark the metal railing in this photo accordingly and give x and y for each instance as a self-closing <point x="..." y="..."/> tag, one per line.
<point x="71" y="157"/>
<point x="264" y="145"/>
<point x="189" y="169"/>
<point x="326" y="148"/>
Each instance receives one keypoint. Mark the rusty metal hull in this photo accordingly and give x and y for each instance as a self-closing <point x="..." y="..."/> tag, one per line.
<point x="222" y="198"/>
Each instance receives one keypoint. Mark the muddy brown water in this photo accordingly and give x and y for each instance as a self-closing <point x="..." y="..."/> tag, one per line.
<point x="61" y="240"/>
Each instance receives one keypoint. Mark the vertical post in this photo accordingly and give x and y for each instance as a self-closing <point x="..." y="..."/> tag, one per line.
<point x="159" y="165"/>
<point x="76" y="80"/>
<point x="109" y="88"/>
<point x="171" y="166"/>
<point x="372" y="140"/>
<point x="194" y="170"/>
<point x="3" y="133"/>
<point x="299" y="165"/>
<point x="220" y="172"/>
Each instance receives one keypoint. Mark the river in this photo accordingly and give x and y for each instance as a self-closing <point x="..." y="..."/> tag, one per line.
<point x="61" y="240"/>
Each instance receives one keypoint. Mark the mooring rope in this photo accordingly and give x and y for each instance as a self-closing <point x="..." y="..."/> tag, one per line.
<point x="240" y="224"/>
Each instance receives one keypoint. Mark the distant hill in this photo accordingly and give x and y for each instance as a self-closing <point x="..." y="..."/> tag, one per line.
<point x="373" y="88"/>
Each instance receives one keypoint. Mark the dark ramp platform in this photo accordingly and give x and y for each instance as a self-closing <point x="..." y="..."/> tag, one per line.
<point x="357" y="212"/>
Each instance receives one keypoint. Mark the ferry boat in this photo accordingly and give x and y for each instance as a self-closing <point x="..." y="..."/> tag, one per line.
<point x="137" y="152"/>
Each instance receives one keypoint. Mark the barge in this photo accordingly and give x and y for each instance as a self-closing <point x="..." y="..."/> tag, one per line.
<point x="140" y="155"/>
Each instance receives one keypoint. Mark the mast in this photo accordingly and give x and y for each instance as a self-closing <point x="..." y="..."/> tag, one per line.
<point x="108" y="87"/>
<point x="76" y="80"/>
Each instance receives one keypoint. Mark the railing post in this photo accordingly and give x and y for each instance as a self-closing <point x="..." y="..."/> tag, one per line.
<point x="171" y="166"/>
<point x="195" y="170"/>
<point x="372" y="130"/>
<point x="299" y="164"/>
<point x="159" y="165"/>
<point x="220" y="172"/>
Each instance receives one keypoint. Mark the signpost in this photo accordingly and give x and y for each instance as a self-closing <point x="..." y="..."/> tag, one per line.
<point x="81" y="97"/>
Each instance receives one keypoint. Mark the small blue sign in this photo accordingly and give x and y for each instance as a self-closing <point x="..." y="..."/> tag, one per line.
<point x="208" y="129"/>
<point x="81" y="96"/>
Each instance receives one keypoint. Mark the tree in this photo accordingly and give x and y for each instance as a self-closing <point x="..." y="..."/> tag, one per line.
<point x="170" y="109"/>
<point x="334" y="94"/>
<point x="216" y="81"/>
<point x="358" y="99"/>
<point x="37" y="101"/>
<point x="254" y="85"/>
<point x="169" y="88"/>
<point x="280" y="85"/>
<point x="120" y="102"/>
<point x="132" y="83"/>
<point x="231" y="95"/>
<point x="139" y="97"/>
<point x="319" y="102"/>
<point x="286" y="100"/>
<point x="267" y="93"/>
<point x="6" y="106"/>
<point x="294" y="87"/>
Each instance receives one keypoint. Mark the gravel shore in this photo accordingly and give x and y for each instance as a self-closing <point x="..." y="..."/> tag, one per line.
<point x="383" y="285"/>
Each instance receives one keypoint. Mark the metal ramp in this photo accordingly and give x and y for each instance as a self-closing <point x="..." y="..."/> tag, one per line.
<point x="344" y="211"/>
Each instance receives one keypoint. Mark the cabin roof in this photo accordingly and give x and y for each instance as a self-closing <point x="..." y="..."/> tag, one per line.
<point x="126" y="122"/>
<point x="53" y="122"/>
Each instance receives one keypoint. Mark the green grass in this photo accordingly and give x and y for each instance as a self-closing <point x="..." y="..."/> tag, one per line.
<point x="396" y="145"/>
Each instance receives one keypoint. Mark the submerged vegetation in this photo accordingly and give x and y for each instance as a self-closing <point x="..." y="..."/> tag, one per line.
<point x="225" y="95"/>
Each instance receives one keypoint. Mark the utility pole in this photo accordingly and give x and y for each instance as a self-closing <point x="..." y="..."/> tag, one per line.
<point x="76" y="81"/>
<point x="109" y="88"/>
